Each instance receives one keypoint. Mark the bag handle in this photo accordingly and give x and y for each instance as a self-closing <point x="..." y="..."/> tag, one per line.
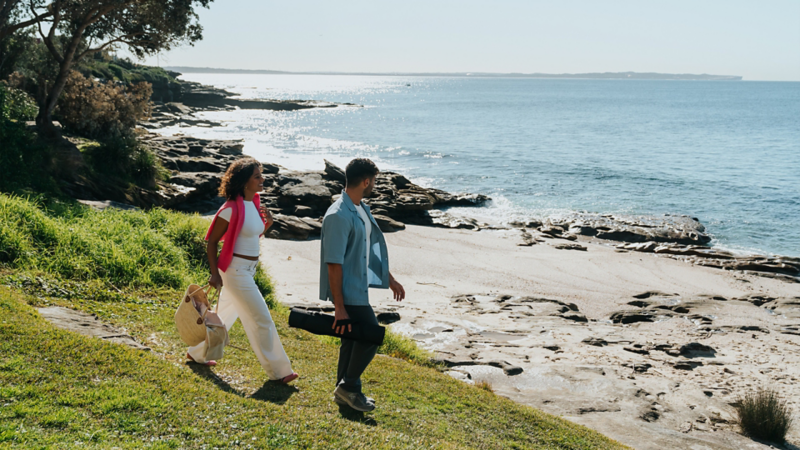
<point x="207" y="289"/>
<point x="202" y="288"/>
<point x="217" y="292"/>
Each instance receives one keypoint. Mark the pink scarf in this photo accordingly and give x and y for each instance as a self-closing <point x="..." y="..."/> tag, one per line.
<point x="234" y="227"/>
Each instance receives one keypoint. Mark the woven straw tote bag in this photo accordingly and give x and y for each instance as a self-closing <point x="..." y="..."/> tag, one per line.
<point x="190" y="318"/>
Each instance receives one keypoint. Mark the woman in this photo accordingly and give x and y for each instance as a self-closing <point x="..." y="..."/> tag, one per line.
<point x="239" y="225"/>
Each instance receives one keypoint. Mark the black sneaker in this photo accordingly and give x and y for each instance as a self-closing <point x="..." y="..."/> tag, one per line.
<point x="354" y="400"/>
<point x="341" y="402"/>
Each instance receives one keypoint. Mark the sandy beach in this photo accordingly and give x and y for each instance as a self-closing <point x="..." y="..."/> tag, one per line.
<point x="646" y="349"/>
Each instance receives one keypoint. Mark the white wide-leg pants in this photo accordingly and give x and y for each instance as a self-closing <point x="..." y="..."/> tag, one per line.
<point x="241" y="299"/>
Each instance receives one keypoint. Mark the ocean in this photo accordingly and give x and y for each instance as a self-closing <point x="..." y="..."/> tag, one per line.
<point x="727" y="153"/>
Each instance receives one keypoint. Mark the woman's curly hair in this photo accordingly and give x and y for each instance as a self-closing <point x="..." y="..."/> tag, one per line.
<point x="236" y="177"/>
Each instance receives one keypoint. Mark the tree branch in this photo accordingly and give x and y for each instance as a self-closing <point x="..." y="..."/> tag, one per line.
<point x="124" y="39"/>
<point x="48" y="41"/>
<point x="11" y="29"/>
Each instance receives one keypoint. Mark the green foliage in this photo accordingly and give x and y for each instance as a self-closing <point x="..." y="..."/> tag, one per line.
<point x="399" y="346"/>
<point x="25" y="161"/>
<point x="124" y="70"/>
<point x="166" y="87"/>
<point x="16" y="104"/>
<point x="265" y="286"/>
<point x="96" y="109"/>
<point x="125" y="159"/>
<point x="123" y="248"/>
<point x="763" y="414"/>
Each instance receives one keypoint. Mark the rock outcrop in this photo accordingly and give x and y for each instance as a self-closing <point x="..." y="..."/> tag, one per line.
<point x="679" y="237"/>
<point x="300" y="199"/>
<point x="630" y="228"/>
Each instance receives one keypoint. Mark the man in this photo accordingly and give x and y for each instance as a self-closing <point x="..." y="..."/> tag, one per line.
<point x="354" y="258"/>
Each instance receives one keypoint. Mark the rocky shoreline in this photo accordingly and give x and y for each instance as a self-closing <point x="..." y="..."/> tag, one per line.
<point x="679" y="237"/>
<point x="299" y="199"/>
<point x="191" y="97"/>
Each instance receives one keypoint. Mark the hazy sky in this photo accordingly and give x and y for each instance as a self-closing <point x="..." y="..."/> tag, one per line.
<point x="759" y="40"/>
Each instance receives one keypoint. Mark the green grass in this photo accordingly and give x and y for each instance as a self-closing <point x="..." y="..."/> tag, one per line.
<point x="61" y="389"/>
<point x="152" y="250"/>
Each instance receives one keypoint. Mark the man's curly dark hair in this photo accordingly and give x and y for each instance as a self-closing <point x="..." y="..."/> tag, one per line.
<point x="236" y="177"/>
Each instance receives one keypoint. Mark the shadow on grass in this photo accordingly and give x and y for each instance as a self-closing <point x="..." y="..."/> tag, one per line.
<point x="356" y="416"/>
<point x="274" y="392"/>
<point x="206" y="372"/>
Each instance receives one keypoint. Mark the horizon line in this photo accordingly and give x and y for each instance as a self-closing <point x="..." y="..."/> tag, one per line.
<point x="588" y="75"/>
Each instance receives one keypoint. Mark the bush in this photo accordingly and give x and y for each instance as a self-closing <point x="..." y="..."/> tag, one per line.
<point x="265" y="287"/>
<point x="16" y="104"/>
<point x="102" y="110"/>
<point x="124" y="157"/>
<point x="762" y="414"/>
<point x="25" y="162"/>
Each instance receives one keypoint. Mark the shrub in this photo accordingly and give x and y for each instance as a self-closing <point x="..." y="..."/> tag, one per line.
<point x="16" y="104"/>
<point x="24" y="161"/>
<point x="762" y="414"/>
<point x="124" y="157"/>
<point x="102" y="110"/>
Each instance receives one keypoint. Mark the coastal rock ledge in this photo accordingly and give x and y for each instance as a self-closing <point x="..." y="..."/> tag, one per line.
<point x="298" y="200"/>
<point x="673" y="236"/>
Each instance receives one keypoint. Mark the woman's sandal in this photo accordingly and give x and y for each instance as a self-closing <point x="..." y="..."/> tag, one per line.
<point x="207" y="363"/>
<point x="289" y="378"/>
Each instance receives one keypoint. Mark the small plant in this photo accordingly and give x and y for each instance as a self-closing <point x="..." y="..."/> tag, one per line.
<point x="486" y="385"/>
<point x="763" y="414"/>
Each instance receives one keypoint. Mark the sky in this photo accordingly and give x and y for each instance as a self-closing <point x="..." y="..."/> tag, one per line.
<point x="759" y="40"/>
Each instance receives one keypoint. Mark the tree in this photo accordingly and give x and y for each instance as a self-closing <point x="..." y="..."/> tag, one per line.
<point x="78" y="28"/>
<point x="13" y="17"/>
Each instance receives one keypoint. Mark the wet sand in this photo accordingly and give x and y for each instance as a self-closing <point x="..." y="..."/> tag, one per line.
<point x="658" y="373"/>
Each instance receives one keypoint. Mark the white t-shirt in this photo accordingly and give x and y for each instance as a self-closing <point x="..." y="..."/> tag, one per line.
<point x="247" y="242"/>
<point x="367" y="225"/>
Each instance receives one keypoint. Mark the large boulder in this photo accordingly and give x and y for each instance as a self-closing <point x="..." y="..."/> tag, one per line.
<point x="290" y="228"/>
<point x="334" y="173"/>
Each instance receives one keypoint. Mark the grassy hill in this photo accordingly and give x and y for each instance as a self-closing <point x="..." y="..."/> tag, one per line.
<point x="65" y="390"/>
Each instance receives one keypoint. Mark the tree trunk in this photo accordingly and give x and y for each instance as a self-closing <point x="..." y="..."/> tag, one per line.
<point x="44" y="120"/>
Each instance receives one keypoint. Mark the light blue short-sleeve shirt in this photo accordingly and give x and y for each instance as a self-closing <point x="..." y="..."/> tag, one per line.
<point x="343" y="241"/>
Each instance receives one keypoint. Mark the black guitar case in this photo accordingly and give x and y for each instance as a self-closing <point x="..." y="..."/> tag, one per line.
<point x="319" y="323"/>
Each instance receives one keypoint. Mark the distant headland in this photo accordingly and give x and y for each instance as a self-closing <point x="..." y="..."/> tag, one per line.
<point x="588" y="76"/>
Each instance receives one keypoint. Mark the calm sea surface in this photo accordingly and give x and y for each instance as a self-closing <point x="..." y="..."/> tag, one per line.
<point x="725" y="152"/>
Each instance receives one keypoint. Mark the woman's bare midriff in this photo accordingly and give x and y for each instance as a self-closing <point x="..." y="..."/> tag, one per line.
<point x="249" y="258"/>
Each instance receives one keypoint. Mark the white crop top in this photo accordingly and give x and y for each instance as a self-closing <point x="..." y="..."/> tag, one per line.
<point x="247" y="242"/>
